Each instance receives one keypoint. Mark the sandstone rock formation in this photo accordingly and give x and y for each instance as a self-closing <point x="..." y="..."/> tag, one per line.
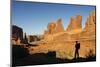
<point x="88" y="35"/>
<point x="51" y="28"/>
<point x="79" y="21"/>
<point x="90" y="28"/>
<point x="17" y="33"/>
<point x="54" y="27"/>
<point x="74" y="31"/>
<point x="75" y="24"/>
<point x="59" y="26"/>
<point x="25" y="39"/>
<point x="71" y="25"/>
<point x="63" y="42"/>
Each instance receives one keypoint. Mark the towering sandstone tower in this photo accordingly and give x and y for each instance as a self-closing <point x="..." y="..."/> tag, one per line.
<point x="59" y="26"/>
<point x="75" y="24"/>
<point x="90" y="27"/>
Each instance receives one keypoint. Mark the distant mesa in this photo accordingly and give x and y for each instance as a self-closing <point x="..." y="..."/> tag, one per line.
<point x="17" y="34"/>
<point x="33" y="38"/>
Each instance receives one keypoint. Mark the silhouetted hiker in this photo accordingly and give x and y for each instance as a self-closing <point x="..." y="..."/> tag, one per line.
<point x="77" y="47"/>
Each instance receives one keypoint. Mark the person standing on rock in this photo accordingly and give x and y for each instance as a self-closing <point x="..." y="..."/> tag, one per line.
<point x="77" y="47"/>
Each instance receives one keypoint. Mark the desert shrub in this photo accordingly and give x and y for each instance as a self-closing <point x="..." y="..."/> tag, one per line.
<point x="90" y="55"/>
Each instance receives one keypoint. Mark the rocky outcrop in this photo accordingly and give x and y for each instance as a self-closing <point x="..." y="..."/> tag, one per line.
<point x="75" y="24"/>
<point x="63" y="42"/>
<point x="17" y="33"/>
<point x="59" y="26"/>
<point x="88" y="35"/>
<point x="90" y="27"/>
<point x="25" y="39"/>
<point x="79" y="21"/>
<point x="55" y="32"/>
<point x="51" y="28"/>
<point x="71" y="25"/>
<point x="54" y="27"/>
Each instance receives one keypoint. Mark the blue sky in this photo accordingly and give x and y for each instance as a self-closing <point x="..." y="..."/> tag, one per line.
<point x="34" y="17"/>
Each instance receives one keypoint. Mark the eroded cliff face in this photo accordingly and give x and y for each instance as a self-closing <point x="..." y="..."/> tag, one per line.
<point x="58" y="33"/>
<point x="75" y="25"/>
<point x="90" y="26"/>
<point x="88" y="35"/>
<point x="63" y="41"/>
<point x="54" y="27"/>
<point x="59" y="26"/>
